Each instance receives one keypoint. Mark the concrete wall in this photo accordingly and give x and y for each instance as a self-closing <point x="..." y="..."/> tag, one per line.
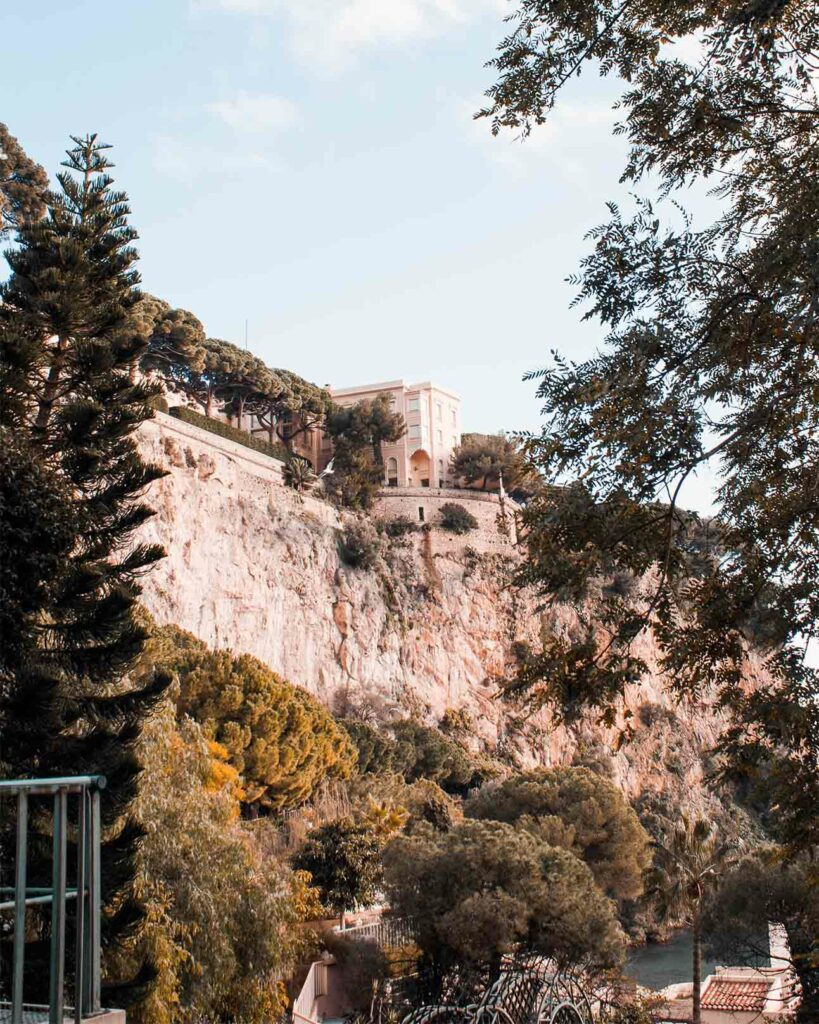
<point x="486" y="508"/>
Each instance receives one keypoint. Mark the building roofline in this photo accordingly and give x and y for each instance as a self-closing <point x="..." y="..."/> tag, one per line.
<point x="380" y="385"/>
<point x="394" y="384"/>
<point x="432" y="386"/>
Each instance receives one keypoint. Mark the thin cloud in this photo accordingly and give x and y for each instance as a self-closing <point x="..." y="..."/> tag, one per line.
<point x="328" y="34"/>
<point x="565" y="144"/>
<point x="262" y="112"/>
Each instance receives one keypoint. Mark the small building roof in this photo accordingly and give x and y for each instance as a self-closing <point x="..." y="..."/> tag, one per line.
<point x="728" y="994"/>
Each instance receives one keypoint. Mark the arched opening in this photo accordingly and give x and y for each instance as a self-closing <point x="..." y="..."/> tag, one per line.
<point x="441" y="473"/>
<point x="419" y="468"/>
<point x="391" y="471"/>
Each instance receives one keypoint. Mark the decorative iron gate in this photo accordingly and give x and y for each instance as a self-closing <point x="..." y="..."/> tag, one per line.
<point x="532" y="992"/>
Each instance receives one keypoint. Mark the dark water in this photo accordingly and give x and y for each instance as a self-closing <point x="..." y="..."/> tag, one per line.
<point x="664" y="963"/>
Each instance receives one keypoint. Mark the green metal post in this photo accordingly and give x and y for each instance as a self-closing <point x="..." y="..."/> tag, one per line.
<point x="94" y="907"/>
<point x="19" y="909"/>
<point x="79" y="965"/>
<point x="56" y="979"/>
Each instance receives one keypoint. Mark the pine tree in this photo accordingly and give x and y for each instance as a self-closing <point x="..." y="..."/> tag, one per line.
<point x="68" y="400"/>
<point x="23" y="184"/>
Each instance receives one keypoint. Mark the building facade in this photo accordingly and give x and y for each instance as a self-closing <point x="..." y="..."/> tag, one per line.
<point x="422" y="458"/>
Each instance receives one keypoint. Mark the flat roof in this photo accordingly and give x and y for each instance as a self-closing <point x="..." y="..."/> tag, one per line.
<point x="393" y="385"/>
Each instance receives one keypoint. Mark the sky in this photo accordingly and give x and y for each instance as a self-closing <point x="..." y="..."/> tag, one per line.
<point x="313" y="168"/>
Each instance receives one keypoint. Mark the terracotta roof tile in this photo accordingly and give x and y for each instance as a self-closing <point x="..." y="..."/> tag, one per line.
<point x="723" y="994"/>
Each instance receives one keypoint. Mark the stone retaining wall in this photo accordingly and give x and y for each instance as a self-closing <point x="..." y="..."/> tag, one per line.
<point x="423" y="504"/>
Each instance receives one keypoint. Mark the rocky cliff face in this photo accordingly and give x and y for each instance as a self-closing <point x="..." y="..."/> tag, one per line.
<point x="253" y="566"/>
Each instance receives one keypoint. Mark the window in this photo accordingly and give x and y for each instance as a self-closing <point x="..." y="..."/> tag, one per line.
<point x="415" y="431"/>
<point x="421" y="513"/>
<point x="454" y="418"/>
<point x="439" y="410"/>
<point x="392" y="472"/>
<point x="414" y="404"/>
<point x="439" y="436"/>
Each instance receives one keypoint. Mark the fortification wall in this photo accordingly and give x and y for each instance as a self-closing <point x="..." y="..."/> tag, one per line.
<point x="496" y="531"/>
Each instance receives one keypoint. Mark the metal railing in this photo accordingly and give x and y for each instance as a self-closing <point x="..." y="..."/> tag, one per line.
<point x="86" y="892"/>
<point x="386" y="932"/>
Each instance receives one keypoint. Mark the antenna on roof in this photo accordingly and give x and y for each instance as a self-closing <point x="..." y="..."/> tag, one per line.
<point x="245" y="333"/>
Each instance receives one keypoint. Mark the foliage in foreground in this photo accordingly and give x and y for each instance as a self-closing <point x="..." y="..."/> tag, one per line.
<point x="484" y="888"/>
<point x="222" y="917"/>
<point x="69" y="407"/>
<point x="280" y="739"/>
<point x="580" y="811"/>
<point x="709" y="363"/>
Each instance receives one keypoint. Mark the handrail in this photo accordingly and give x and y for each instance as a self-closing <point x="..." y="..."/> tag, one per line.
<point x="39" y="787"/>
<point x="86" y="892"/>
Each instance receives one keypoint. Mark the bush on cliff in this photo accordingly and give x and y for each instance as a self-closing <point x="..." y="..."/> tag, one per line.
<point x="400" y="526"/>
<point x="457" y="519"/>
<point x="281" y="740"/>
<point x="359" y="545"/>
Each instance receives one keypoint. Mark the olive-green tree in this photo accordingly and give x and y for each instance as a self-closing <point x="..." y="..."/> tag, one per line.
<point x="343" y="859"/>
<point x="485" y="889"/>
<point x="358" y="432"/>
<point x="482" y="459"/>
<point x="581" y="811"/>
<point x="222" y="925"/>
<point x="281" y="740"/>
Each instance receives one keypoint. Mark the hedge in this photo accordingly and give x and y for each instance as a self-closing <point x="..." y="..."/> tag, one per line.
<point x="196" y="419"/>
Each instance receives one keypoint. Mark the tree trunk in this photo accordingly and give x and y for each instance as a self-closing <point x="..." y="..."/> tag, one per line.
<point x="240" y="408"/>
<point x="696" y="1014"/>
<point x="341" y="919"/>
<point x="46" y="403"/>
<point x="209" y="402"/>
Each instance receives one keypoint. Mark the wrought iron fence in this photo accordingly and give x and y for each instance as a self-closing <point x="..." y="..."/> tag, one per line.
<point x="86" y="892"/>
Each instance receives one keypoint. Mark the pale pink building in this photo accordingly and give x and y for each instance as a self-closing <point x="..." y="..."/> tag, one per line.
<point x="433" y="416"/>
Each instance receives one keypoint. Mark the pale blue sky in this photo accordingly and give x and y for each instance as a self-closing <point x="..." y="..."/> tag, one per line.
<point x="313" y="166"/>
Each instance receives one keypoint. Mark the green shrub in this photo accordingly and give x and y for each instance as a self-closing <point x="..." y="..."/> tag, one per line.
<point x="456" y="518"/>
<point x="400" y="526"/>
<point x="359" y="546"/>
<point x="196" y="419"/>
